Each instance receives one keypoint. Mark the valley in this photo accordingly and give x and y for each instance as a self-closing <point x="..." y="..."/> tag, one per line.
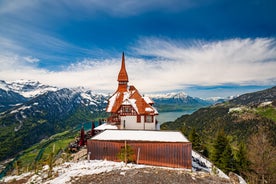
<point x="31" y="126"/>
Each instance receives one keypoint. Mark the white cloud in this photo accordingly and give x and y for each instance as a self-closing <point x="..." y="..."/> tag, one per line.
<point x="117" y="8"/>
<point x="175" y="65"/>
<point x="31" y="59"/>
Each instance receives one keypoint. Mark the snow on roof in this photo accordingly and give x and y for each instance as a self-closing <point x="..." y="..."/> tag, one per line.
<point x="133" y="104"/>
<point x="148" y="100"/>
<point x="111" y="100"/>
<point x="126" y="95"/>
<point x="141" y="135"/>
<point x="130" y="96"/>
<point x="155" y="110"/>
<point x="148" y="109"/>
<point x="106" y="126"/>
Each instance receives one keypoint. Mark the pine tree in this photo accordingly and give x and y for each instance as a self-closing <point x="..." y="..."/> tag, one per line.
<point x="195" y="139"/>
<point x="219" y="146"/>
<point x="242" y="162"/>
<point x="221" y="154"/>
<point x="227" y="162"/>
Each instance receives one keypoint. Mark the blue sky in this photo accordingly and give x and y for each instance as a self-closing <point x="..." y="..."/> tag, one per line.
<point x="203" y="47"/>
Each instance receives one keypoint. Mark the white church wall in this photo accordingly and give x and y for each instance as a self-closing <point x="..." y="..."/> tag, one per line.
<point x="130" y="122"/>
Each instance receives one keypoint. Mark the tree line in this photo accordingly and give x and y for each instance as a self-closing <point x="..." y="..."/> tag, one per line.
<point x="254" y="160"/>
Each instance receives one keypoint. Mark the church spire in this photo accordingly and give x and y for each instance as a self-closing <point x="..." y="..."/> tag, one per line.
<point x="122" y="77"/>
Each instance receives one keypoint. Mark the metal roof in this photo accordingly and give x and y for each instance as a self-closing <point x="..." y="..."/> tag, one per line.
<point x="141" y="135"/>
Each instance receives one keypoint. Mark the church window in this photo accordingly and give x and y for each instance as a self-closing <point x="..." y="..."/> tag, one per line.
<point x="148" y="119"/>
<point x="138" y="119"/>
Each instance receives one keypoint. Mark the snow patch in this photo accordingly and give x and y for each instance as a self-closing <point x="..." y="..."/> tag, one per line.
<point x="106" y="126"/>
<point x="69" y="170"/>
<point x="236" y="109"/>
<point x="265" y="104"/>
<point x="208" y="166"/>
<point x="20" y="108"/>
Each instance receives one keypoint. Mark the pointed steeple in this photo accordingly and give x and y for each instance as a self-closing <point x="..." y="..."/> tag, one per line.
<point x="122" y="77"/>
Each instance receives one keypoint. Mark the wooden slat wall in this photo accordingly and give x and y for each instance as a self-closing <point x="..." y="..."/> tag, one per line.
<point x="176" y="154"/>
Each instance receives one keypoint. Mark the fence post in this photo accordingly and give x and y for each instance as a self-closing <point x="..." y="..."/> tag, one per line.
<point x="138" y="155"/>
<point x="88" y="157"/>
<point x="125" y="153"/>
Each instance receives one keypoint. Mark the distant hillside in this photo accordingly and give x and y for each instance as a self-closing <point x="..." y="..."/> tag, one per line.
<point x="239" y="117"/>
<point x="237" y="136"/>
<point x="256" y="98"/>
<point x="9" y="99"/>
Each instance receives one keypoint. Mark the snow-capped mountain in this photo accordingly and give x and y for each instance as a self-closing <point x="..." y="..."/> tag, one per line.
<point x="181" y="94"/>
<point x="178" y="99"/>
<point x="46" y="114"/>
<point x="215" y="100"/>
<point x="27" y="88"/>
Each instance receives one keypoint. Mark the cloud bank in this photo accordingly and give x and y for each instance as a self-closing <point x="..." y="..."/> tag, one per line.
<point x="156" y="65"/>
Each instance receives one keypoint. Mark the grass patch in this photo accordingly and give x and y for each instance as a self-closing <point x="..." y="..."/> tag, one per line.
<point x="268" y="112"/>
<point x="42" y="150"/>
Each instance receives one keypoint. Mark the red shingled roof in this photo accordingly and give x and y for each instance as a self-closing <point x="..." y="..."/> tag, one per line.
<point x="129" y="95"/>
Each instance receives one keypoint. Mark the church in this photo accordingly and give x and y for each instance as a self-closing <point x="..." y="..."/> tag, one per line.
<point x="128" y="108"/>
<point x="132" y="122"/>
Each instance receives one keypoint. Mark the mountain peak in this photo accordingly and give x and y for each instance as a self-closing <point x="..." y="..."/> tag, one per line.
<point x="26" y="88"/>
<point x="180" y="95"/>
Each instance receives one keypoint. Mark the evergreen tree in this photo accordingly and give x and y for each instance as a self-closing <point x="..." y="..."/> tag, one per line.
<point x="221" y="154"/>
<point x="195" y="139"/>
<point x="219" y="146"/>
<point x="242" y="162"/>
<point x="227" y="162"/>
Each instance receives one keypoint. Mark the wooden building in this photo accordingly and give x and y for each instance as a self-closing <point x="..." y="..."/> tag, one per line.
<point x="159" y="148"/>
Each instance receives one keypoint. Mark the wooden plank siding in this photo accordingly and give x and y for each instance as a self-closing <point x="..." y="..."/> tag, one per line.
<point x="168" y="154"/>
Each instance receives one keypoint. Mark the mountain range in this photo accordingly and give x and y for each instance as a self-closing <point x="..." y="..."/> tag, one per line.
<point x="239" y="117"/>
<point x="27" y="120"/>
<point x="31" y="111"/>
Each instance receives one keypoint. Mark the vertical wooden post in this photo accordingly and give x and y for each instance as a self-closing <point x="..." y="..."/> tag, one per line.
<point x="138" y="155"/>
<point x="125" y="153"/>
<point x="89" y="153"/>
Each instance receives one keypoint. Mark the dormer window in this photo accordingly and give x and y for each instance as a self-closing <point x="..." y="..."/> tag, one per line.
<point x="126" y="109"/>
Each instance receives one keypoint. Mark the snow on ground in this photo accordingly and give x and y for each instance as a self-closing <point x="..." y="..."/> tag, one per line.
<point x="200" y="162"/>
<point x="265" y="104"/>
<point x="72" y="169"/>
<point x="21" y="108"/>
<point x="15" y="177"/>
<point x="68" y="170"/>
<point x="86" y="168"/>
